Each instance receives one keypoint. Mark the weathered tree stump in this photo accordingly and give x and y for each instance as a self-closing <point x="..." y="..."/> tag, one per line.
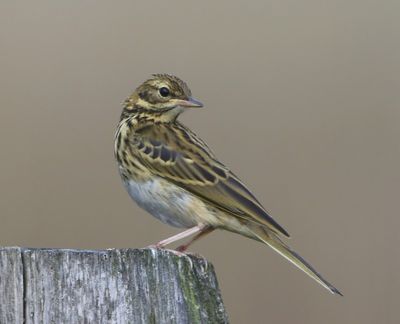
<point x="110" y="286"/>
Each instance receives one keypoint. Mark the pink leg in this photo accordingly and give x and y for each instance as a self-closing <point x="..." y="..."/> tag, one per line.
<point x="206" y="230"/>
<point x="180" y="236"/>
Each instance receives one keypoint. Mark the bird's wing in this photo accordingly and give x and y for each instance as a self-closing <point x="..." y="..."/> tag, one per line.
<point x="178" y="155"/>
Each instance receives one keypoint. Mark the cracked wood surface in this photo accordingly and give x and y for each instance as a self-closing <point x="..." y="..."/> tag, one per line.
<point x="107" y="286"/>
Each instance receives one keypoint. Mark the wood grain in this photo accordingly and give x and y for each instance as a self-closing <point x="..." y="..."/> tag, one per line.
<point x="110" y="286"/>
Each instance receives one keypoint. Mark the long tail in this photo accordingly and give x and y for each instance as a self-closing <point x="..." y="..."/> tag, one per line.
<point x="275" y="243"/>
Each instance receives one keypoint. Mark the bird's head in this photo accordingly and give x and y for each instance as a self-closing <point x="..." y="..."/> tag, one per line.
<point x="165" y="96"/>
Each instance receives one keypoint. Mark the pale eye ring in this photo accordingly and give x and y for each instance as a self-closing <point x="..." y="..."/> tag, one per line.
<point x="164" y="92"/>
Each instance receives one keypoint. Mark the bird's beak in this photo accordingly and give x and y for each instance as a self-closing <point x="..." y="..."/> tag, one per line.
<point x="190" y="103"/>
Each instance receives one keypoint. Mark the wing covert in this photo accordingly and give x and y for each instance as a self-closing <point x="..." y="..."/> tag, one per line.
<point x="180" y="157"/>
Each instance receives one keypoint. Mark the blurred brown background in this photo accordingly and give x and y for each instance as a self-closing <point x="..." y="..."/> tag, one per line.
<point x="302" y="101"/>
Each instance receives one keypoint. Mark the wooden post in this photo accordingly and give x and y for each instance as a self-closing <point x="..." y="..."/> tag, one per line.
<point x="111" y="286"/>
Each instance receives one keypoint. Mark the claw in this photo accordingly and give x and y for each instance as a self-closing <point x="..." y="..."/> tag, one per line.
<point x="177" y="253"/>
<point x="153" y="246"/>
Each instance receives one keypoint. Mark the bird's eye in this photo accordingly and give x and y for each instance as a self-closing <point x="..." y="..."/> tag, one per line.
<point x="164" y="92"/>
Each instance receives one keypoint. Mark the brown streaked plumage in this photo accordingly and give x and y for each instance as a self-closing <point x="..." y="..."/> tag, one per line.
<point x="170" y="172"/>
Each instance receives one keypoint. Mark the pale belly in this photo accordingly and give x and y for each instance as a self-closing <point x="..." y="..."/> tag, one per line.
<point x="171" y="204"/>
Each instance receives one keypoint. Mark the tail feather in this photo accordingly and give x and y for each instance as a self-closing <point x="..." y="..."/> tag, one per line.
<point x="276" y="244"/>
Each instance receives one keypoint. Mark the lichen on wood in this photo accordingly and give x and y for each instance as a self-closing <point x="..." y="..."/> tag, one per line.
<point x="108" y="286"/>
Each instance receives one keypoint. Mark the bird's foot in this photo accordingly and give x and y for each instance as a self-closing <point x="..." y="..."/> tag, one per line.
<point x="162" y="247"/>
<point x="178" y="253"/>
<point x="154" y="246"/>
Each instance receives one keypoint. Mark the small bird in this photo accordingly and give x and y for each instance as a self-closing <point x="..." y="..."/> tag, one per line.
<point x="171" y="173"/>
